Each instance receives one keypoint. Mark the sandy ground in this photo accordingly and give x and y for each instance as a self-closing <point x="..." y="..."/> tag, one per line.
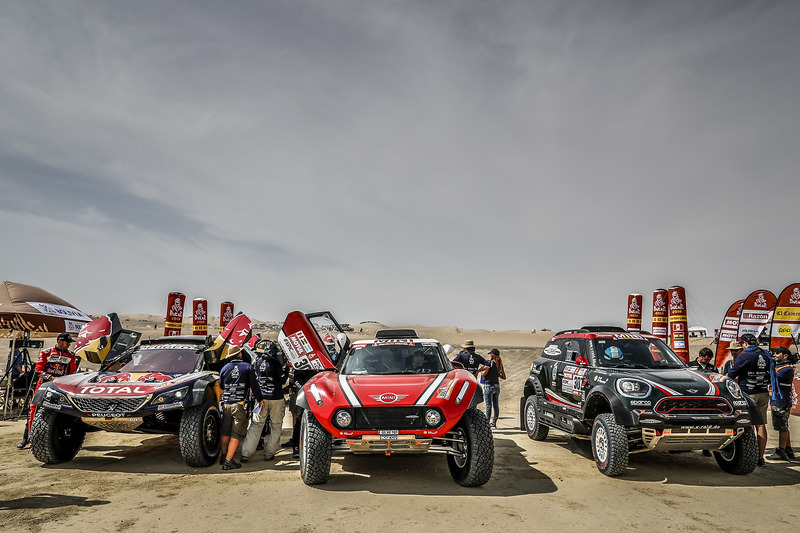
<point x="140" y="483"/>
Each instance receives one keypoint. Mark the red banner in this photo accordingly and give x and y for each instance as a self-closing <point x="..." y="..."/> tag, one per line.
<point x="199" y="316"/>
<point x="786" y="318"/>
<point x="660" y="315"/>
<point x="175" y="302"/>
<point x="728" y="331"/>
<point x="634" y="312"/>
<point x="795" y="396"/>
<point x="225" y="314"/>
<point x="678" y="329"/>
<point x="756" y="312"/>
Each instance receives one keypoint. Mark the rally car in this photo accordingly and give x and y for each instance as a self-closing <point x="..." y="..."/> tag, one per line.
<point x="164" y="385"/>
<point x="629" y="393"/>
<point x="395" y="394"/>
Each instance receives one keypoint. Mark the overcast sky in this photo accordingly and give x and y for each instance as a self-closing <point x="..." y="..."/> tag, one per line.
<point x="498" y="165"/>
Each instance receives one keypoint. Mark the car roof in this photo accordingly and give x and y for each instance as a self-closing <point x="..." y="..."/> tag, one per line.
<point x="393" y="341"/>
<point x="602" y="333"/>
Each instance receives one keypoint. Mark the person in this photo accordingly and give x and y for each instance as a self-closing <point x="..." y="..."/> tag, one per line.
<point x="735" y="349"/>
<point x="270" y="374"/>
<point x="780" y="402"/>
<point x="492" y="374"/>
<point x="330" y="345"/>
<point x="14" y="366"/>
<point x="55" y="362"/>
<point x="292" y="391"/>
<point x="236" y="379"/>
<point x="703" y="361"/>
<point x="301" y="377"/>
<point x="416" y="363"/>
<point x="751" y="370"/>
<point x="469" y="359"/>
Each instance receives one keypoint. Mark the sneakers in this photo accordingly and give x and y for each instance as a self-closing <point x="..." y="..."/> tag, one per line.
<point x="493" y="424"/>
<point x="231" y="465"/>
<point x="288" y="444"/>
<point x="761" y="462"/>
<point x="266" y="457"/>
<point x="260" y="445"/>
<point x="21" y="444"/>
<point x="244" y="459"/>
<point x="221" y="458"/>
<point x="295" y="452"/>
<point x="778" y="455"/>
<point x="789" y="453"/>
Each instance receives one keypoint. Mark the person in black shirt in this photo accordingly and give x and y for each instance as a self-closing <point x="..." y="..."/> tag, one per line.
<point x="270" y="374"/>
<point x="236" y="379"/>
<point x="703" y="362"/>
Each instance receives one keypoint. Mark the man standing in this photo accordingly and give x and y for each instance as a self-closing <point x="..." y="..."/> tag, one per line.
<point x="492" y="374"/>
<point x="469" y="359"/>
<point x="703" y="362"/>
<point x="751" y="370"/>
<point x="236" y="379"/>
<point x="52" y="363"/>
<point x="735" y="349"/>
<point x="270" y="374"/>
<point x="780" y="402"/>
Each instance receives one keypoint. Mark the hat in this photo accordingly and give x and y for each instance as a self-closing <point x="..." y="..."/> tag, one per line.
<point x="468" y="344"/>
<point x="749" y="338"/>
<point x="494" y="351"/>
<point x="234" y="350"/>
<point x="735" y="346"/>
<point x="65" y="337"/>
<point x="781" y="349"/>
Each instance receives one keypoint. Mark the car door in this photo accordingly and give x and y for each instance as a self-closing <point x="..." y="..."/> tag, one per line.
<point x="571" y="377"/>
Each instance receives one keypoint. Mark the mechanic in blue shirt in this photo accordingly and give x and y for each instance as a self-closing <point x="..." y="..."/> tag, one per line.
<point x="751" y="370"/>
<point x="469" y="359"/>
<point x="270" y="374"/>
<point x="236" y="379"/>
<point x="780" y="402"/>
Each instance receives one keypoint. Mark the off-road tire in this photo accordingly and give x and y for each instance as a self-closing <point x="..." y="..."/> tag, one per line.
<point x="55" y="437"/>
<point x="315" y="451"/>
<point x="609" y="445"/>
<point x="474" y="467"/>
<point x="199" y="434"/>
<point x="740" y="456"/>
<point x="533" y="423"/>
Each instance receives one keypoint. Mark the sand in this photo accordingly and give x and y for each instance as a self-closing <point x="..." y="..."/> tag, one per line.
<point x="134" y="482"/>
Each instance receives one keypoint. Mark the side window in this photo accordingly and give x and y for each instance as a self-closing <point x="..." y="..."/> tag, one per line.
<point x="572" y="350"/>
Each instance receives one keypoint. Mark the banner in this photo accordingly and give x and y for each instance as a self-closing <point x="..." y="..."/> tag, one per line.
<point x="199" y="316"/>
<point x="678" y="329"/>
<point x="225" y="314"/>
<point x="728" y="331"/>
<point x="635" y="312"/>
<point x="660" y="316"/>
<point x="175" y="302"/>
<point x="786" y="318"/>
<point x="756" y="312"/>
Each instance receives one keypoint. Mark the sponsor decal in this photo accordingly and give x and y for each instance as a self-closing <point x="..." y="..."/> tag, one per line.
<point x="445" y="392"/>
<point x="739" y="403"/>
<point x="169" y="406"/>
<point x="601" y="380"/>
<point x="49" y="405"/>
<point x="112" y="389"/>
<point x="552" y="350"/>
<point x="107" y="415"/>
<point x="643" y="403"/>
<point x="701" y="418"/>
<point x="58" y="359"/>
<point x="628" y="336"/>
<point x="649" y="421"/>
<point x="707" y="426"/>
<point x="387" y="397"/>
<point x="744" y="420"/>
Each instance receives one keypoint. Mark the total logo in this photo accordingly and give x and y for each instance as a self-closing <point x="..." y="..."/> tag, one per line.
<point x="387" y="397"/>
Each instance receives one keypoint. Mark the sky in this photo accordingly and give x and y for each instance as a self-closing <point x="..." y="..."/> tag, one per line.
<point x="497" y="165"/>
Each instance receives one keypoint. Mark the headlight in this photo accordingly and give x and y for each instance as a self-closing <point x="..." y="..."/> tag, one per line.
<point x="633" y="388"/>
<point x="343" y="418"/>
<point x="433" y="417"/>
<point x="171" y="396"/>
<point x="54" y="397"/>
<point x="733" y="388"/>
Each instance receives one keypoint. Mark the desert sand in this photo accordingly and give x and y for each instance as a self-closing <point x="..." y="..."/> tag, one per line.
<point x="128" y="482"/>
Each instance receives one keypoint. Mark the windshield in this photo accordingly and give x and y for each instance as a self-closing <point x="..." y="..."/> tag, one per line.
<point x="167" y="358"/>
<point x="405" y="357"/>
<point x="635" y="352"/>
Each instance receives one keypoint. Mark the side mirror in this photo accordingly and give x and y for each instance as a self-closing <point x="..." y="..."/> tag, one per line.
<point x="456" y="364"/>
<point x="342" y="343"/>
<point x="447" y="349"/>
<point x="581" y="361"/>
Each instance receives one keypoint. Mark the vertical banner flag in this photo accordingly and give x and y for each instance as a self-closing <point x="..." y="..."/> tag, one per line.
<point x="786" y="319"/>
<point x="635" y="312"/>
<point x="756" y="312"/>
<point x="728" y="331"/>
<point x="678" y="330"/>
<point x="175" y="302"/>
<point x="660" y="316"/>
<point x="225" y="314"/>
<point x="199" y="316"/>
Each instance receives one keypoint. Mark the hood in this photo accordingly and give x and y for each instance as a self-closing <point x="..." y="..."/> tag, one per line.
<point x="382" y="391"/>
<point x="121" y="383"/>
<point x="678" y="381"/>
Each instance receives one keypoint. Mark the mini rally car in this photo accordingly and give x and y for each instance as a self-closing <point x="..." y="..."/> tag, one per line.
<point x="395" y="394"/>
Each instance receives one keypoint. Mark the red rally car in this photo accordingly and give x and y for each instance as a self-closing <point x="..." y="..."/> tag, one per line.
<point x="393" y="394"/>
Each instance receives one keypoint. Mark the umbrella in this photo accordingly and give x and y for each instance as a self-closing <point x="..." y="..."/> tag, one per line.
<point x="28" y="308"/>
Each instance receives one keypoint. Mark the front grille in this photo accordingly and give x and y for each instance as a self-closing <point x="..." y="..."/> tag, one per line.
<point x="109" y="405"/>
<point x="693" y="406"/>
<point x="389" y="417"/>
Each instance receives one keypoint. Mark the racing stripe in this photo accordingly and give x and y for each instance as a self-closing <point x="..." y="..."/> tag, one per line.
<point x="553" y="397"/>
<point x="712" y="387"/>
<point x="662" y="388"/>
<point x="348" y="391"/>
<point x="423" y="399"/>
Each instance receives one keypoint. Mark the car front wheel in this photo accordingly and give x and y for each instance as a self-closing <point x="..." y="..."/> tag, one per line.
<point x="473" y="465"/>
<point x="740" y="456"/>
<point x="533" y="425"/>
<point x="609" y="445"/>
<point x="55" y="437"/>
<point x="199" y="435"/>
<point x="315" y="451"/>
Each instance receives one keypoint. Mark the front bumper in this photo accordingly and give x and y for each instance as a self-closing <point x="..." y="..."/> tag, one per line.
<point x="689" y="438"/>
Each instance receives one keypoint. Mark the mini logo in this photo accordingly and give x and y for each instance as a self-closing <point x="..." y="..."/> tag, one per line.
<point x="692" y="391"/>
<point x="387" y="397"/>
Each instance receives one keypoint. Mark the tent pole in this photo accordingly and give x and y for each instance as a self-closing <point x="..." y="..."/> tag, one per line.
<point x="9" y="381"/>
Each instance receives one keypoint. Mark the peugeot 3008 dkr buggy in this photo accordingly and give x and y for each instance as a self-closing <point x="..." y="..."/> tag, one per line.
<point x="630" y="393"/>
<point x="164" y="385"/>
<point x="395" y="394"/>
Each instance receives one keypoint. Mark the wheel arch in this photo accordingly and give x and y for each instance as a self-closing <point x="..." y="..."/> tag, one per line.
<point x="602" y="400"/>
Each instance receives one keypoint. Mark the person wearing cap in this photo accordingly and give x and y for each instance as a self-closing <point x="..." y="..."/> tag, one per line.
<point x="734" y="349"/>
<point x="236" y="379"/>
<point x="55" y="362"/>
<point x="780" y="402"/>
<point x="330" y="345"/>
<point x="469" y="359"/>
<point x="492" y="375"/>
<point x="703" y="362"/>
<point x="751" y="370"/>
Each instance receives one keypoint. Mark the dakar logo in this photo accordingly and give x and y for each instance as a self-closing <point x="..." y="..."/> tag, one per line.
<point x="795" y="298"/>
<point x="200" y="312"/>
<point x="676" y="302"/>
<point x="660" y="305"/>
<point x="176" y="309"/>
<point x="760" y="301"/>
<point x="228" y="315"/>
<point x="387" y="397"/>
<point x="634" y="309"/>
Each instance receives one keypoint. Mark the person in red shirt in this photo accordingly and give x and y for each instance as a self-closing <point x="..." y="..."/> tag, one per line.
<point x="52" y="363"/>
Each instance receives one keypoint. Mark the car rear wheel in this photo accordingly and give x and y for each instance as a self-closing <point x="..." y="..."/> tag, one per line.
<point x="473" y="465"/>
<point x="55" y="437"/>
<point x="315" y="451"/>
<point x="740" y="456"/>
<point x="199" y="435"/>
<point x="533" y="426"/>
<point x="609" y="445"/>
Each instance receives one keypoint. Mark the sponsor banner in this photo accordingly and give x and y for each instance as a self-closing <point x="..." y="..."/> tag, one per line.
<point x="174" y="317"/>
<point x="728" y="331"/>
<point x="756" y="313"/>
<point x="60" y="311"/>
<point x="678" y="322"/>
<point x="786" y="318"/>
<point x="660" y="314"/>
<point x="225" y="314"/>
<point x="199" y="317"/>
<point x="634" y="312"/>
<point x="795" y="396"/>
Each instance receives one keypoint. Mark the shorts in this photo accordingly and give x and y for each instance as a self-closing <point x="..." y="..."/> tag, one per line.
<point x="762" y="402"/>
<point x="780" y="418"/>
<point x="234" y="421"/>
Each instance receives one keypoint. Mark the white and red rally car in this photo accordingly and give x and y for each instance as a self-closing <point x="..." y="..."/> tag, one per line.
<point x="393" y="394"/>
